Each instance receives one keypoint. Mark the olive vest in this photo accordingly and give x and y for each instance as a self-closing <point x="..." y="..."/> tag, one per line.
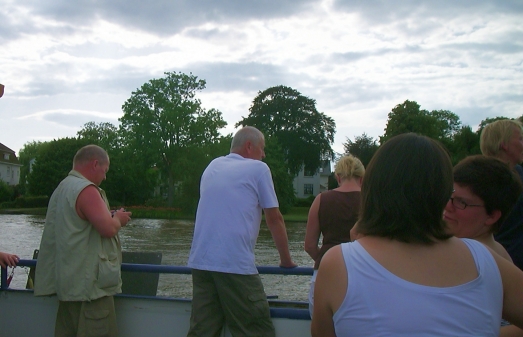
<point x="75" y="262"/>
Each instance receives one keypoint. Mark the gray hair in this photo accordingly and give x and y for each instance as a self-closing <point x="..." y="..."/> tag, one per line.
<point x="247" y="133"/>
<point x="90" y="152"/>
<point x="497" y="133"/>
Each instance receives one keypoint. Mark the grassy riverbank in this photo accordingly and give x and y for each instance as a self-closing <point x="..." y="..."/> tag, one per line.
<point x="296" y="214"/>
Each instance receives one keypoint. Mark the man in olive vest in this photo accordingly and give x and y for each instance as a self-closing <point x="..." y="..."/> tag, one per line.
<point x="80" y="254"/>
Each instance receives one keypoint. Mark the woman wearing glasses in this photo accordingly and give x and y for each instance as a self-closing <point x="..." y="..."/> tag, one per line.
<point x="485" y="191"/>
<point x="407" y="276"/>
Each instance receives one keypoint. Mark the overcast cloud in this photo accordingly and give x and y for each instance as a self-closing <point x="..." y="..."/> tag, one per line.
<point x="66" y="63"/>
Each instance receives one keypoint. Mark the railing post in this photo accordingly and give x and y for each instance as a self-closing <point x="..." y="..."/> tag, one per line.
<point x="3" y="284"/>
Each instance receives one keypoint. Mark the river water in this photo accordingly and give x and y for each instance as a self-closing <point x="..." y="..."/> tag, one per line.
<point x="21" y="234"/>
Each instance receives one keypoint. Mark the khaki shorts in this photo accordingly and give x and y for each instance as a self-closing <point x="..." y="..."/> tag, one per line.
<point x="238" y="300"/>
<point x="86" y="319"/>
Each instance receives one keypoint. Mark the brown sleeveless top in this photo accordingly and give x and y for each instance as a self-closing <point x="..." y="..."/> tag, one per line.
<point x="337" y="215"/>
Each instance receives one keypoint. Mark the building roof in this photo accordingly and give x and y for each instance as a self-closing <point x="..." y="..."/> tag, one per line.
<point x="12" y="156"/>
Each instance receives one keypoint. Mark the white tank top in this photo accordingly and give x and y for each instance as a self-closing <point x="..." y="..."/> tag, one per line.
<point x="379" y="303"/>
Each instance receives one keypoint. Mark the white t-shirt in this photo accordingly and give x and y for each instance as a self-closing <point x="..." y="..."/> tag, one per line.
<point x="233" y="192"/>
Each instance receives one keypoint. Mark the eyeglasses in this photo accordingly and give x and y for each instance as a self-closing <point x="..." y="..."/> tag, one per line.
<point x="460" y="204"/>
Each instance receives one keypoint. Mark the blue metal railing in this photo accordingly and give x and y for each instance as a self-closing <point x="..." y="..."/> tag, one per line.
<point x="153" y="268"/>
<point x="301" y="314"/>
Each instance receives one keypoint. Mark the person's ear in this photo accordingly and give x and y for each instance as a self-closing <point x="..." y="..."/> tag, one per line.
<point x="493" y="217"/>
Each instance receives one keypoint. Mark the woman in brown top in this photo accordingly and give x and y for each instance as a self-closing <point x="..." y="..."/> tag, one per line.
<point x="333" y="213"/>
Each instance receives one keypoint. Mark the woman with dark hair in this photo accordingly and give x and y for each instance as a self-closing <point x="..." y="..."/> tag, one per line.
<point x="485" y="192"/>
<point x="407" y="276"/>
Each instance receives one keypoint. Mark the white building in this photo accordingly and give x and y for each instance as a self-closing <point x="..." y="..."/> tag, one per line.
<point x="312" y="183"/>
<point x="9" y="166"/>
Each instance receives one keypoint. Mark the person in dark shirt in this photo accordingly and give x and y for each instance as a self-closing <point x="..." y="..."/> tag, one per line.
<point x="503" y="139"/>
<point x="333" y="213"/>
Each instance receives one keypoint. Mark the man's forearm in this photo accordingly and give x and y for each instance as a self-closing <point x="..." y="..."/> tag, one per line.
<point x="279" y="235"/>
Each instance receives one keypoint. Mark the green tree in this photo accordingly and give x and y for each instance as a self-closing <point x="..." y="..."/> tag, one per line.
<point x="488" y="120"/>
<point x="408" y="117"/>
<point x="27" y="155"/>
<point x="104" y="135"/>
<point x="163" y="121"/>
<point x="447" y="123"/>
<point x="333" y="183"/>
<point x="53" y="162"/>
<point x="465" y="143"/>
<point x="283" y="181"/>
<point x="7" y="193"/>
<point x="304" y="134"/>
<point x="362" y="147"/>
<point x="198" y="158"/>
<point x="124" y="184"/>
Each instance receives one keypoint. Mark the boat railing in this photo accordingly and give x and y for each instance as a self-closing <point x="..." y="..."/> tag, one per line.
<point x="167" y="269"/>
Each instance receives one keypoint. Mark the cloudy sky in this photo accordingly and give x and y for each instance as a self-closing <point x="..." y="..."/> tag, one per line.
<point x="65" y="63"/>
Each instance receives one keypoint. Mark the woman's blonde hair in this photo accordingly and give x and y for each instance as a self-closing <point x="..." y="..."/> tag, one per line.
<point x="349" y="167"/>
<point x="495" y="134"/>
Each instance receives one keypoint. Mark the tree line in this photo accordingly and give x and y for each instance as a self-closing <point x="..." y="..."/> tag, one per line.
<point x="442" y="125"/>
<point x="166" y="139"/>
